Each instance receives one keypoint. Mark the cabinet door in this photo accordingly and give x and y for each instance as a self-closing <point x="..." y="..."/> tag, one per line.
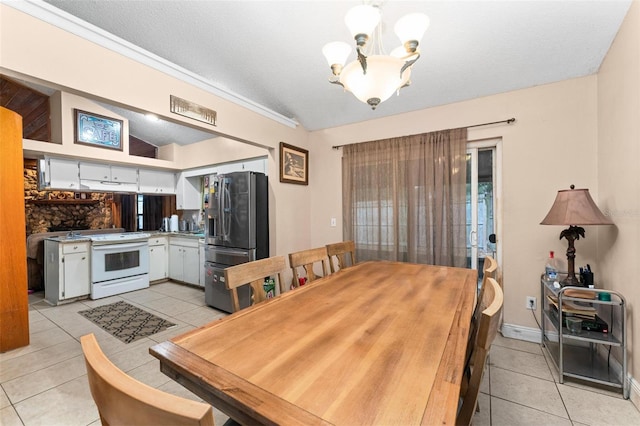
<point x="124" y="174"/>
<point x="62" y="174"/>
<point x="76" y="275"/>
<point x="93" y="171"/>
<point x="188" y="193"/>
<point x="191" y="265"/>
<point x="157" y="262"/>
<point x="176" y="263"/>
<point x="156" y="182"/>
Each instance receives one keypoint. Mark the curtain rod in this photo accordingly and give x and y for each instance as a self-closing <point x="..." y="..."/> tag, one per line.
<point x="508" y="121"/>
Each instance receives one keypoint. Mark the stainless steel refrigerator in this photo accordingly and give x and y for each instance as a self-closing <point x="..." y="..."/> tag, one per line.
<point x="236" y="231"/>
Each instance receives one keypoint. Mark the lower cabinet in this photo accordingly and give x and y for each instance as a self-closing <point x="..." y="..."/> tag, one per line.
<point x="158" y="258"/>
<point x="66" y="270"/>
<point x="184" y="260"/>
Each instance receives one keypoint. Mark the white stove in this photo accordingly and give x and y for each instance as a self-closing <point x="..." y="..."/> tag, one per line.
<point x="119" y="263"/>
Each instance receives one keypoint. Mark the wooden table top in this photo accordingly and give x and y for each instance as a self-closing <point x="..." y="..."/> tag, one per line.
<point x="377" y="343"/>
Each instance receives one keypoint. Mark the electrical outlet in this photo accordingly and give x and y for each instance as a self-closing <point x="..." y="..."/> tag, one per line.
<point x="532" y="303"/>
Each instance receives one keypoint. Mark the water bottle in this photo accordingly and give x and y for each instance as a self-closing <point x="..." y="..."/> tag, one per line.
<point x="551" y="268"/>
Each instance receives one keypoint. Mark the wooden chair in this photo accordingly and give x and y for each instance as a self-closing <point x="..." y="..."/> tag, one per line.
<point x="123" y="400"/>
<point x="492" y="302"/>
<point x="253" y="273"/>
<point x="489" y="270"/>
<point x="341" y="251"/>
<point x="306" y="259"/>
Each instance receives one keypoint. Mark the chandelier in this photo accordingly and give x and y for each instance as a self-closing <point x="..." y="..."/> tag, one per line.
<point x="374" y="76"/>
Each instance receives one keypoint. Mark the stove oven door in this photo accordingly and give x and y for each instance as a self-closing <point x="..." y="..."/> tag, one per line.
<point x="121" y="260"/>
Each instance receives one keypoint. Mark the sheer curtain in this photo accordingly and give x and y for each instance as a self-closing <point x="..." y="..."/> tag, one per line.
<point x="404" y="199"/>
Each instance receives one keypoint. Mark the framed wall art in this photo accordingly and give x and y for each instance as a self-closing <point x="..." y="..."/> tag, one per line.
<point x="294" y="164"/>
<point x="97" y="130"/>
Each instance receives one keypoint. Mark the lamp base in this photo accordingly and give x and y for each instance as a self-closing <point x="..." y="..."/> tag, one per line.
<point x="571" y="280"/>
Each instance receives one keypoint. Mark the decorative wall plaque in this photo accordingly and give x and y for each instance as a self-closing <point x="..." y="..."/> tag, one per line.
<point x="189" y="109"/>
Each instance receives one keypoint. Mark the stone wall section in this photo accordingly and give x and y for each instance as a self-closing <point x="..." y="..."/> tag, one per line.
<point x="63" y="212"/>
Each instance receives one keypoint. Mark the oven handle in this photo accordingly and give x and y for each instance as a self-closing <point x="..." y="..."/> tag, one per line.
<point x="119" y="246"/>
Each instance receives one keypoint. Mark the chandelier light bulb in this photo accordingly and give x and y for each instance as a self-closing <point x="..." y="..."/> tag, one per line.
<point x="410" y="29"/>
<point x="361" y="21"/>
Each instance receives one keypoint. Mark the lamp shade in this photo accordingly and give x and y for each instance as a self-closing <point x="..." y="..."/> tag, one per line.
<point x="575" y="207"/>
<point x="362" y="19"/>
<point x="336" y="52"/>
<point x="411" y="27"/>
<point x="381" y="81"/>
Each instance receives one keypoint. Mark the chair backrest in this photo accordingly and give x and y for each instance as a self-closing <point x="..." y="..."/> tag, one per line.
<point x="492" y="302"/>
<point x="253" y="273"/>
<point x="342" y="251"/>
<point x="489" y="270"/>
<point x="123" y="400"/>
<point x="306" y="259"/>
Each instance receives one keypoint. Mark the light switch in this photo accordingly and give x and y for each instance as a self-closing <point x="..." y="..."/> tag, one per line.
<point x="333" y="221"/>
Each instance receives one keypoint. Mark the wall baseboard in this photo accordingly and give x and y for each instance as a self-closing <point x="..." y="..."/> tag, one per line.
<point x="521" y="333"/>
<point x="534" y="335"/>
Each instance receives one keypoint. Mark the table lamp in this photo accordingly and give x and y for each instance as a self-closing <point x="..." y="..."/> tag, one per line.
<point x="574" y="207"/>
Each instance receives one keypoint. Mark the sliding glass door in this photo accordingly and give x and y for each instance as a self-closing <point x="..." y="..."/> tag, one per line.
<point x="482" y="190"/>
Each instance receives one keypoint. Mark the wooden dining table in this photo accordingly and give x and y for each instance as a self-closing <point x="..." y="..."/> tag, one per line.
<point x="379" y="343"/>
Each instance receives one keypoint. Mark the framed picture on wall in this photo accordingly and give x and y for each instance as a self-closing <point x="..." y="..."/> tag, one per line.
<point x="97" y="130"/>
<point x="294" y="164"/>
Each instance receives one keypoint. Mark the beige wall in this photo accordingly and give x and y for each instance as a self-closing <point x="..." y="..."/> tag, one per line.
<point x="551" y="145"/>
<point x="619" y="175"/>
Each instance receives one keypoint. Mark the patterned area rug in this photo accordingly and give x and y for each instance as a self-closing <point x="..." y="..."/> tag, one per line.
<point x="126" y="322"/>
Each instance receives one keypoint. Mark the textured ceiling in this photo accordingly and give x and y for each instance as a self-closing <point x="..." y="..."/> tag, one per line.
<point x="270" y="51"/>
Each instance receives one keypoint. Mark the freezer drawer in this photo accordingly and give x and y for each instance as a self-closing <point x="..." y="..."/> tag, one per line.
<point x="216" y="294"/>
<point x="228" y="256"/>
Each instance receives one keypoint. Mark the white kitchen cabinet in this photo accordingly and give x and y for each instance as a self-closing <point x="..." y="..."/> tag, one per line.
<point x="158" y="258"/>
<point x="108" y="173"/>
<point x="189" y="193"/>
<point x="60" y="174"/>
<point x="157" y="182"/>
<point x="106" y="177"/>
<point x="66" y="270"/>
<point x="255" y="165"/>
<point x="184" y="260"/>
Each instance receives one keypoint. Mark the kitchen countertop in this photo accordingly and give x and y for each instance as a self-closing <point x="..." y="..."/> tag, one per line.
<point x="195" y="235"/>
<point x="84" y="238"/>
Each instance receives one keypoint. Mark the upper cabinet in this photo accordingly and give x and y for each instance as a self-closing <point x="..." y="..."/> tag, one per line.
<point x="156" y="182"/>
<point x="105" y="177"/>
<point x="105" y="172"/>
<point x="60" y="174"/>
<point x="189" y="193"/>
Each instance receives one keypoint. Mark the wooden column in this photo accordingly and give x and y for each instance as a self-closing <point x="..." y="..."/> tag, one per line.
<point x="14" y="301"/>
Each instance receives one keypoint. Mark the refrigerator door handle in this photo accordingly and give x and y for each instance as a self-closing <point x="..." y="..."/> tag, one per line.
<point x="226" y="222"/>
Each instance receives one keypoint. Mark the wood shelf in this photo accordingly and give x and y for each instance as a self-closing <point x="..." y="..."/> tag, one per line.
<point x="63" y="201"/>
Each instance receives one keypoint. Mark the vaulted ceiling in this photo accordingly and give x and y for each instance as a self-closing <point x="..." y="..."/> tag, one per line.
<point x="270" y="51"/>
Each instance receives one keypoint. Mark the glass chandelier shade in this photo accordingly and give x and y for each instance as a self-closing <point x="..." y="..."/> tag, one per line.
<point x="375" y="77"/>
<point x="362" y="19"/>
<point x="382" y="79"/>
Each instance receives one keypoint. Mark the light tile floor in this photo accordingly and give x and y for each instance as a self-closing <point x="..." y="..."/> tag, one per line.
<point x="45" y="383"/>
